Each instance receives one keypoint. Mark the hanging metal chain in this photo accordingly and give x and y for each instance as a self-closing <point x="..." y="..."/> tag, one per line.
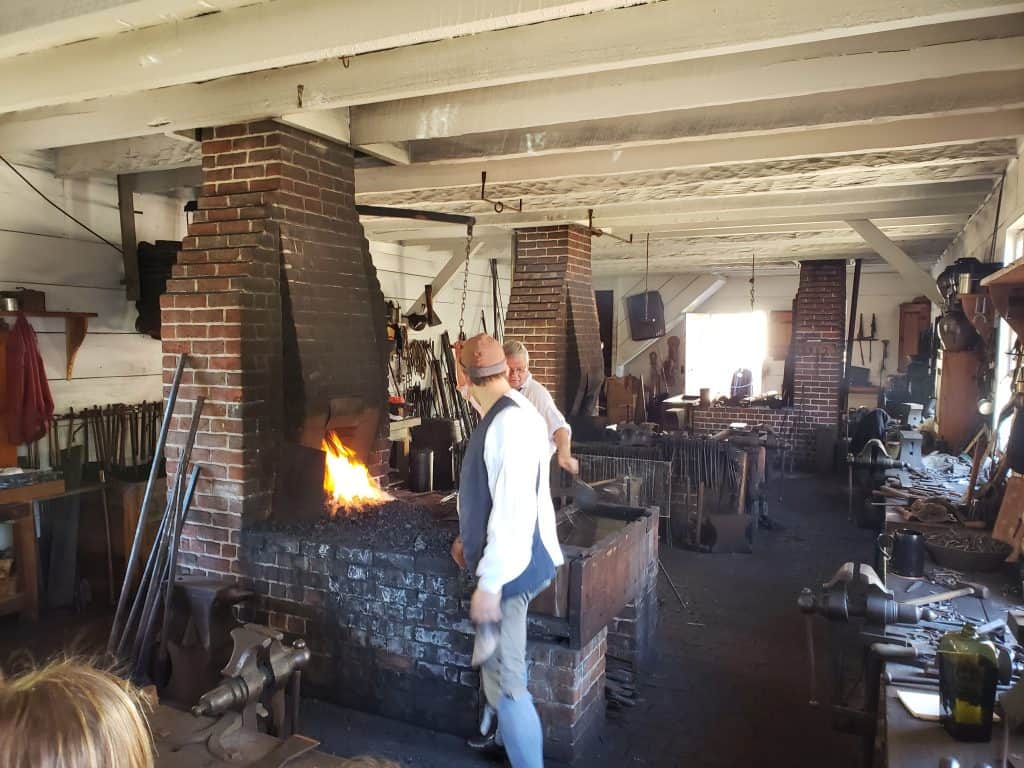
<point x="465" y="284"/>
<point x="752" y="278"/>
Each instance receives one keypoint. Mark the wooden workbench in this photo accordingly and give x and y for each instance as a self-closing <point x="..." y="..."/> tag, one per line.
<point x="19" y="507"/>
<point x="913" y="743"/>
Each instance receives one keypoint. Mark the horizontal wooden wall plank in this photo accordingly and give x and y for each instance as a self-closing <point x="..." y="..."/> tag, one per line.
<point x="102" y="355"/>
<point x="81" y="393"/>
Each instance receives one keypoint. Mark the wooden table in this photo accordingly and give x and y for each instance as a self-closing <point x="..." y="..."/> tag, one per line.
<point x="20" y="506"/>
<point x="912" y="743"/>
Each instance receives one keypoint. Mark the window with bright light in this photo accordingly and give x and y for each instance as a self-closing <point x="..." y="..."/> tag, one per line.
<point x="719" y="345"/>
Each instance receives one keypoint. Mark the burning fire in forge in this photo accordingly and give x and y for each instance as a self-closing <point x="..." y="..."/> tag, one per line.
<point x="347" y="482"/>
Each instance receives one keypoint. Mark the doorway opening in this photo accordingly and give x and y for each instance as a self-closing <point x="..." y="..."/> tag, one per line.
<point x="719" y="345"/>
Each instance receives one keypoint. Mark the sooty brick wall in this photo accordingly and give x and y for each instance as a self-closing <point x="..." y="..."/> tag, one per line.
<point x="390" y="633"/>
<point x="552" y="310"/>
<point x="274" y="273"/>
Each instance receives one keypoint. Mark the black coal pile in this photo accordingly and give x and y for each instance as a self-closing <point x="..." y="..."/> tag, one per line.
<point x="391" y="525"/>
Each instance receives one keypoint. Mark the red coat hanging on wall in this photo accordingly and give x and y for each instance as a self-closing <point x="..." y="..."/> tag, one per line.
<point x="29" y="407"/>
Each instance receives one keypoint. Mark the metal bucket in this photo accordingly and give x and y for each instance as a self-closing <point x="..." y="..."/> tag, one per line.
<point x="421" y="470"/>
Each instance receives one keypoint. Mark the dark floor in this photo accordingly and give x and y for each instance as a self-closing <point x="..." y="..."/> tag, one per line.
<point x="728" y="686"/>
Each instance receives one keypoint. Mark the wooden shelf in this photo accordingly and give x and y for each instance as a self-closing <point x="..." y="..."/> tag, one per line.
<point x="76" y="325"/>
<point x="1011" y="274"/>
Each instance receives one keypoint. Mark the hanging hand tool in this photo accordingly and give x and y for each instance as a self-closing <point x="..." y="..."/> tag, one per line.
<point x="874" y="329"/>
<point x="860" y="337"/>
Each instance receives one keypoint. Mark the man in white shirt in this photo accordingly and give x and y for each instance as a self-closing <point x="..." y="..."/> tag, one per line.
<point x="507" y="537"/>
<point x="518" y="358"/>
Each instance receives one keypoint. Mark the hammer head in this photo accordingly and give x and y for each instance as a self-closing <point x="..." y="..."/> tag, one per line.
<point x="980" y="590"/>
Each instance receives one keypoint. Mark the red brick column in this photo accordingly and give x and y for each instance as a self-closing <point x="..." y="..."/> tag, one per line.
<point x="552" y="310"/>
<point x="276" y="302"/>
<point x="818" y="336"/>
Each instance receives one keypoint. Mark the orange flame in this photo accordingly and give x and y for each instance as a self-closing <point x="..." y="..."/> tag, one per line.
<point x="346" y="480"/>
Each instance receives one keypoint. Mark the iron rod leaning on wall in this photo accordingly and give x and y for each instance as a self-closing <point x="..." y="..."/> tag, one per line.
<point x="140" y="526"/>
<point x="845" y="395"/>
<point x="153" y="594"/>
<point x="172" y="563"/>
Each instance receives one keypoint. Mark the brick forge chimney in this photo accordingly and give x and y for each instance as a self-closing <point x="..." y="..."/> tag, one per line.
<point x="552" y="310"/>
<point x="818" y="339"/>
<point x="277" y="304"/>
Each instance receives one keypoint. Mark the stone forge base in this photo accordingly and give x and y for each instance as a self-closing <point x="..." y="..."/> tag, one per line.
<point x="390" y="634"/>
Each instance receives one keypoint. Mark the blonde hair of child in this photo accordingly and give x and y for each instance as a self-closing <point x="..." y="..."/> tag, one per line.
<point x="69" y="714"/>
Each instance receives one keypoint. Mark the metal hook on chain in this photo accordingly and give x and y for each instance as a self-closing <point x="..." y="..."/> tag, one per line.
<point x="465" y="283"/>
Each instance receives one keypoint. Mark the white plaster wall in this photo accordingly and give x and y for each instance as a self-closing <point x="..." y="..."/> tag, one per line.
<point x="881" y="293"/>
<point x="44" y="250"/>
<point x="404" y="271"/>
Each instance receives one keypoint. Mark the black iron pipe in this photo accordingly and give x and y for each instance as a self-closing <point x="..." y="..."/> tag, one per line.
<point x="153" y="594"/>
<point x="140" y="526"/>
<point x="849" y="337"/>
<point x="413" y="213"/>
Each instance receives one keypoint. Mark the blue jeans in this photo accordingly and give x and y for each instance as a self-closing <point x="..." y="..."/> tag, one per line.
<point x="504" y="681"/>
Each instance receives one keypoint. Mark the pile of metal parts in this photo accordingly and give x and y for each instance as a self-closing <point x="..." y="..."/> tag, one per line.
<point x="906" y="632"/>
<point x="133" y="632"/>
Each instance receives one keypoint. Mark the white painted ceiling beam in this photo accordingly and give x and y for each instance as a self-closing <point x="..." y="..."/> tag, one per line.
<point x="258" y="37"/>
<point x="676" y="86"/>
<point x="33" y="25"/>
<point x="960" y="205"/>
<point x="143" y="153"/>
<point x="672" y="30"/>
<point x="396" y="154"/>
<point x="539" y="215"/>
<point x="817" y="142"/>
<point x="898" y="259"/>
<point x="330" y="124"/>
<point x="961" y="94"/>
<point x="974" y="160"/>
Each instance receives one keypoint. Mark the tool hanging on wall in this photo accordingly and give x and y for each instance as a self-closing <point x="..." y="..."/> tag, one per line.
<point x="860" y="337"/>
<point x="498" y="205"/>
<point x="874" y="331"/>
<point x="496" y="302"/>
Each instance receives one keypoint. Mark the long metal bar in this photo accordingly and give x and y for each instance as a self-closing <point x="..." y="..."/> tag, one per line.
<point x="413" y="213"/>
<point x="144" y="581"/>
<point x="152" y="597"/>
<point x="140" y="526"/>
<point x="179" y="523"/>
<point x="845" y="395"/>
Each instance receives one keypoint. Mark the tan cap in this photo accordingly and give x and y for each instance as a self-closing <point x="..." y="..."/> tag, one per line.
<point x="482" y="356"/>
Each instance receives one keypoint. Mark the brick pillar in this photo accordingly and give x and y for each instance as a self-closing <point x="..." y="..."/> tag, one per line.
<point x="818" y="336"/>
<point x="274" y="273"/>
<point x="552" y="310"/>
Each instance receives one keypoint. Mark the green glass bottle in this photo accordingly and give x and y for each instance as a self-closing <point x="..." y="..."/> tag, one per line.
<point x="968" y="670"/>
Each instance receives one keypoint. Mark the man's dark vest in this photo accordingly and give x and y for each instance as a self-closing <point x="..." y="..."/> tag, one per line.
<point x="475" y="510"/>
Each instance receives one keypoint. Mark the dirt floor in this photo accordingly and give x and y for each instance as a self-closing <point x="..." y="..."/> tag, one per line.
<point x="728" y="684"/>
